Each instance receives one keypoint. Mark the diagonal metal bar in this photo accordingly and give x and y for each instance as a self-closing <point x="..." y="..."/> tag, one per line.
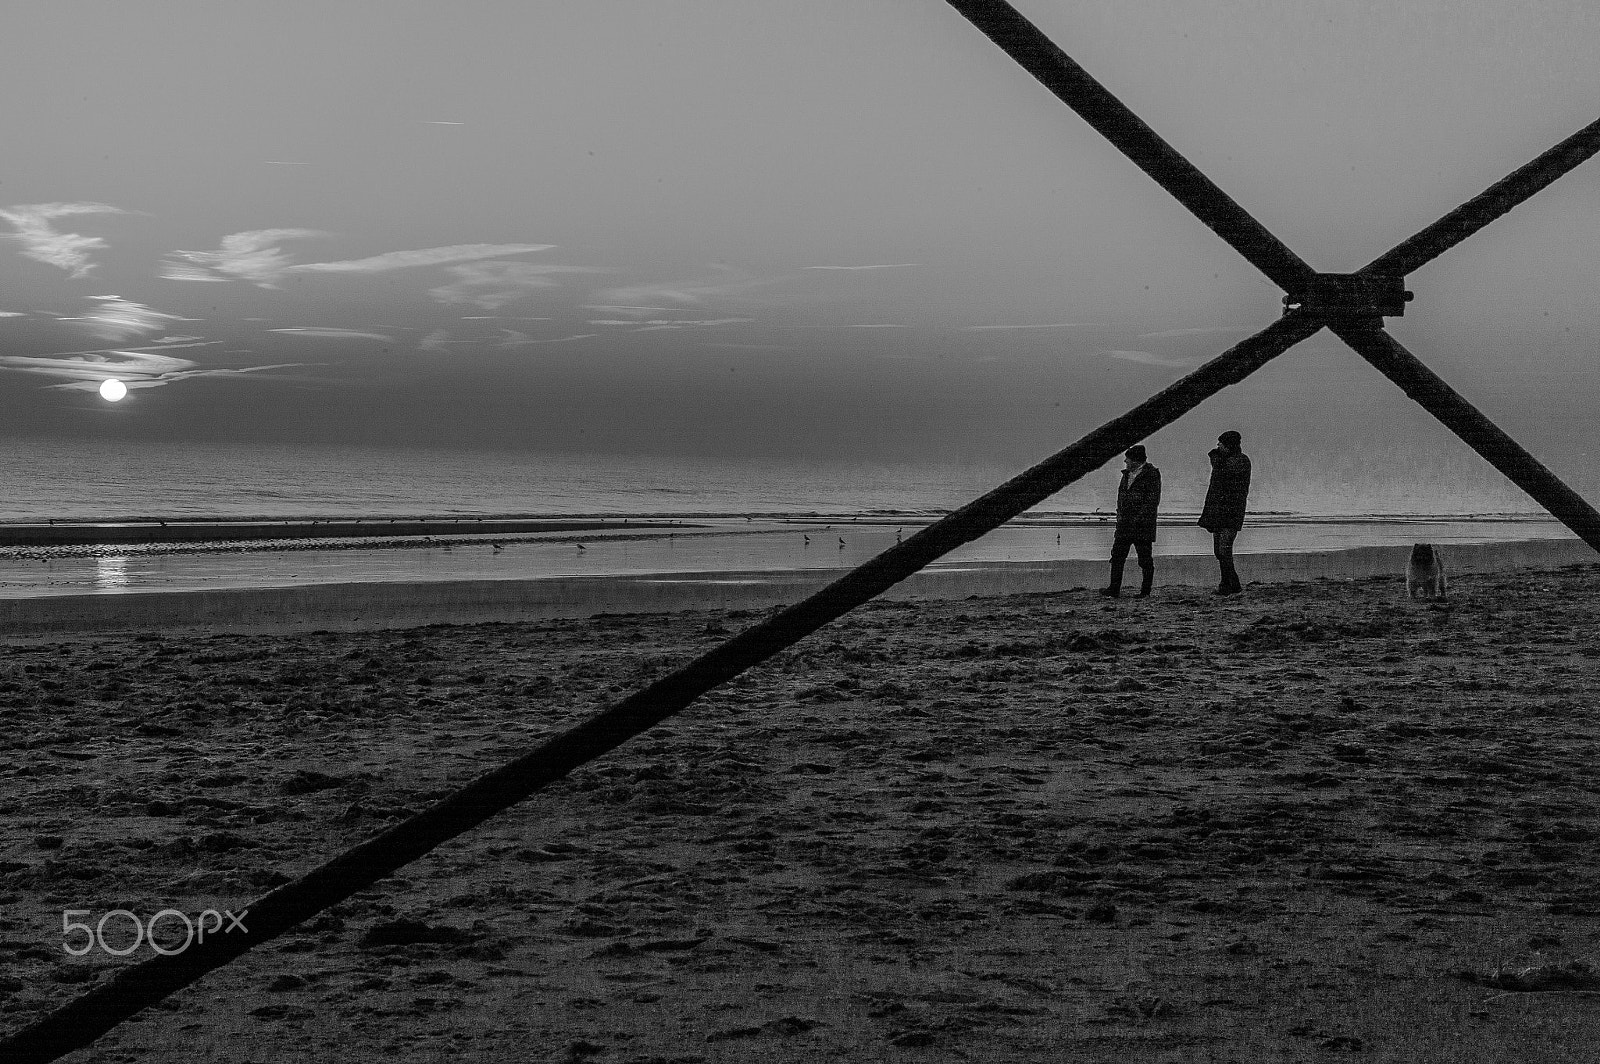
<point x="1490" y="204"/>
<point x="1110" y="117"/>
<point x="1369" y="340"/>
<point x="133" y="989"/>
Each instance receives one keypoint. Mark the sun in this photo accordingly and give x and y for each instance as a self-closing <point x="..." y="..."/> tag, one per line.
<point x="112" y="390"/>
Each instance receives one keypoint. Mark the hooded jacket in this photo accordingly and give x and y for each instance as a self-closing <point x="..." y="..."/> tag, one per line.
<point x="1229" y="490"/>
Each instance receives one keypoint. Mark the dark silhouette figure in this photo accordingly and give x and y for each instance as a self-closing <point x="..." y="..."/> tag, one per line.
<point x="1223" y="513"/>
<point x="1138" y="498"/>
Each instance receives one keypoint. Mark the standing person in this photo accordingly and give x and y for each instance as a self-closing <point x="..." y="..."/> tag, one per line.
<point x="1223" y="514"/>
<point x="1138" y="497"/>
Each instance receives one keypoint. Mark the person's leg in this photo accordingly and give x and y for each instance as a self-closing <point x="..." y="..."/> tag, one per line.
<point x="1119" y="558"/>
<point x="1148" y="565"/>
<point x="1224" y="549"/>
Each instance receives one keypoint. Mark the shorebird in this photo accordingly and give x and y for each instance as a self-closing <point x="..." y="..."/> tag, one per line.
<point x="807" y="539"/>
<point x="582" y="547"/>
<point x="897" y="534"/>
<point x="498" y="547"/>
<point x="841" y="543"/>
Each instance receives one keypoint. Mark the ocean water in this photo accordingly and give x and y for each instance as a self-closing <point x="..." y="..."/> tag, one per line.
<point x="97" y="481"/>
<point x="89" y="480"/>
<point x="735" y="515"/>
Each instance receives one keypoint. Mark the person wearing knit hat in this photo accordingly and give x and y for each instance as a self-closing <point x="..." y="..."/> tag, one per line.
<point x="1223" y="512"/>
<point x="1138" y="497"/>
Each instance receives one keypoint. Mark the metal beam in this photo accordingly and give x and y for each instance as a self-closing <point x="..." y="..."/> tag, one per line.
<point x="1429" y="390"/>
<point x="1110" y="117"/>
<point x="1490" y="204"/>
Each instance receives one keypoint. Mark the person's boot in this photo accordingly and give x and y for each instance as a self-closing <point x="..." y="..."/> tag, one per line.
<point x="1149" y="579"/>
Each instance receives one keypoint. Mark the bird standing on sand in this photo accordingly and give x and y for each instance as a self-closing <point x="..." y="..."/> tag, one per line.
<point x="807" y="539"/>
<point x="897" y="534"/>
<point x="498" y="547"/>
<point x="582" y="547"/>
<point x="841" y="543"/>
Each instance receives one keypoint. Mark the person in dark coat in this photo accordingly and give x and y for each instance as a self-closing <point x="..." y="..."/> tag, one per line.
<point x="1223" y="513"/>
<point x="1138" y="498"/>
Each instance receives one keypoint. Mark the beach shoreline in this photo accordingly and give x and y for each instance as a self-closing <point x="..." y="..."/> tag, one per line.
<point x="392" y="604"/>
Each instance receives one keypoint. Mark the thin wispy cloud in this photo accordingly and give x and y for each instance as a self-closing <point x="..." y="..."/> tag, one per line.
<point x="683" y="293"/>
<point x="438" y="340"/>
<point x="1049" y="325"/>
<point x="1206" y="330"/>
<point x="43" y="243"/>
<point x="252" y="256"/>
<point x="1146" y="358"/>
<point x="119" y="320"/>
<point x="321" y="333"/>
<point x="566" y="339"/>
<point x="12" y="314"/>
<point x="403" y="260"/>
<point x="492" y="285"/>
<point x="753" y="347"/>
<point x="872" y="325"/>
<point x="440" y="122"/>
<point x="256" y="256"/>
<point x="667" y="323"/>
<point x="136" y="368"/>
<point x="873" y="266"/>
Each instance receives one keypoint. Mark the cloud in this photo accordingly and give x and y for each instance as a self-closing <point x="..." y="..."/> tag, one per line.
<point x="875" y="266"/>
<point x="438" y="340"/>
<point x="1051" y="325"/>
<point x="119" y="320"/>
<point x="42" y="243"/>
<point x="1145" y="358"/>
<point x="252" y="256"/>
<point x="650" y="324"/>
<point x="491" y="285"/>
<point x="255" y="256"/>
<point x="12" y="314"/>
<point x="684" y="293"/>
<point x="86" y="370"/>
<point x="1202" y="331"/>
<point x="315" y="332"/>
<point x="401" y="260"/>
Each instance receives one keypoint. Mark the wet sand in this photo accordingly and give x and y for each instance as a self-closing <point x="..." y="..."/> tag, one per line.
<point x="1315" y="819"/>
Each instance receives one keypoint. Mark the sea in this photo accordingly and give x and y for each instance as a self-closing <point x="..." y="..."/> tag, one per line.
<point x="723" y="514"/>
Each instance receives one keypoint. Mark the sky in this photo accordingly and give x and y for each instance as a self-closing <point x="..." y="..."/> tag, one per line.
<point x="760" y="227"/>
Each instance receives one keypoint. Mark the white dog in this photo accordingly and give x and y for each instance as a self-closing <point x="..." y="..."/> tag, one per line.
<point x="1425" y="573"/>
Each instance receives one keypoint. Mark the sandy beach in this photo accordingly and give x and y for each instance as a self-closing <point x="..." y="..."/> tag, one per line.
<point x="1319" y="818"/>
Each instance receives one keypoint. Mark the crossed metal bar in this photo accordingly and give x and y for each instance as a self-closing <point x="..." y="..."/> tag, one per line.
<point x="81" y="1021"/>
<point x="1365" y="335"/>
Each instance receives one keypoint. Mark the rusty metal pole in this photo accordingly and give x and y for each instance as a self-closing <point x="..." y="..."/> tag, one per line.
<point x="1369" y="340"/>
<point x="1489" y="204"/>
